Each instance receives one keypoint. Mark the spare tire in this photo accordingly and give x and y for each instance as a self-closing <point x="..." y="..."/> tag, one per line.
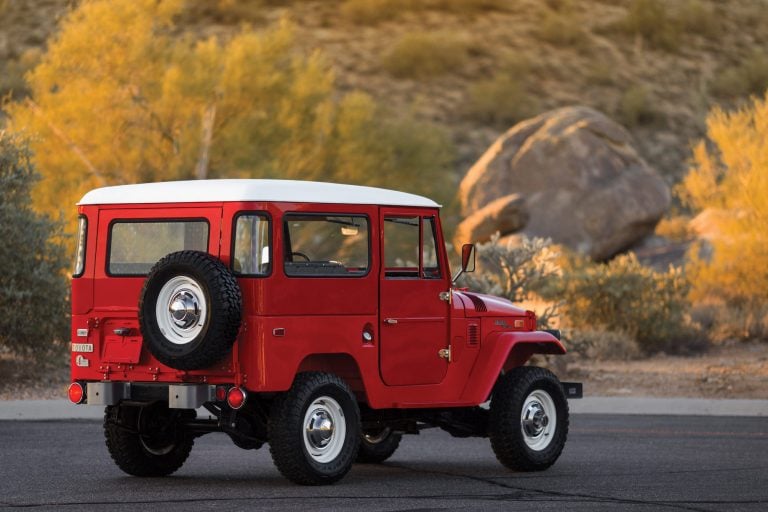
<point x="189" y="310"/>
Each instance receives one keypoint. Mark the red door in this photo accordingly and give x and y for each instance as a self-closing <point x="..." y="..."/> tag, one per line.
<point x="413" y="317"/>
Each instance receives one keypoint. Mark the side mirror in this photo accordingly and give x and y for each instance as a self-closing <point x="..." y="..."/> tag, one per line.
<point x="468" y="258"/>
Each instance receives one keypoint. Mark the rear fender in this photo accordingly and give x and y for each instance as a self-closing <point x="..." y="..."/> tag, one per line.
<point x="504" y="351"/>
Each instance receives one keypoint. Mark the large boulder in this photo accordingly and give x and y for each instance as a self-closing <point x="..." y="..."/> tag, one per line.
<point x="583" y="183"/>
<point x="505" y="215"/>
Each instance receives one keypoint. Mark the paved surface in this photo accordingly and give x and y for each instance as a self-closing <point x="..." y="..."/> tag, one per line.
<point x="610" y="463"/>
<point x="63" y="409"/>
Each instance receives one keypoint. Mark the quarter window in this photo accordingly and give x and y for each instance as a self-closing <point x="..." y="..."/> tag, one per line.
<point x="134" y="247"/>
<point x="82" y="232"/>
<point x="326" y="245"/>
<point x="251" y="256"/>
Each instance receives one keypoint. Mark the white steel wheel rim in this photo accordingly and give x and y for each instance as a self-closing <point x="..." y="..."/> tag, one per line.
<point x="325" y="429"/>
<point x="538" y="420"/>
<point x="181" y="310"/>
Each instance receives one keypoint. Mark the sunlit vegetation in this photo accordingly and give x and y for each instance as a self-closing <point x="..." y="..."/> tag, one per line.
<point x="118" y="99"/>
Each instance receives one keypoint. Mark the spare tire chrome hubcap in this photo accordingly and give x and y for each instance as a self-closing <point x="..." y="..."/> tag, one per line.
<point x="181" y="310"/>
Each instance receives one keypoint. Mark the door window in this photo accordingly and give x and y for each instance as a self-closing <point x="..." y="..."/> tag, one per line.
<point x="410" y="248"/>
<point x="326" y="245"/>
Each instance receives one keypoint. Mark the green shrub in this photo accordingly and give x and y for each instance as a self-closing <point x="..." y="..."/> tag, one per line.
<point x="34" y="305"/>
<point x="562" y="29"/>
<point x="517" y="271"/>
<point x="650" y="20"/>
<point x="750" y="77"/>
<point x="502" y="101"/>
<point x="636" y="107"/>
<point x="625" y="296"/>
<point x="697" y="17"/>
<point x="426" y="55"/>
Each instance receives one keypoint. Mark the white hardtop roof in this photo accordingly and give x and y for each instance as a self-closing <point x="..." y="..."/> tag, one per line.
<point x="208" y="191"/>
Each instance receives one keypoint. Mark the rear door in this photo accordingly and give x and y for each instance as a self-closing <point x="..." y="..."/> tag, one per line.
<point x="131" y="241"/>
<point x="413" y="317"/>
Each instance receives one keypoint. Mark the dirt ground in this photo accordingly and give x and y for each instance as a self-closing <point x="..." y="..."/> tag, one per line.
<point x="738" y="370"/>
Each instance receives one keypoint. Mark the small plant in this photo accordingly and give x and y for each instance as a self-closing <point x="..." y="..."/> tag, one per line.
<point x="598" y="344"/>
<point x="650" y="20"/>
<point x="502" y="100"/>
<point x="750" y="77"/>
<point x="424" y="56"/>
<point x="518" y="272"/>
<point x="562" y="29"/>
<point x="697" y="17"/>
<point x="636" y="107"/>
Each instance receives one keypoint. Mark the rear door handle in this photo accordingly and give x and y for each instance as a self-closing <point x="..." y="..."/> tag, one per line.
<point x="390" y="321"/>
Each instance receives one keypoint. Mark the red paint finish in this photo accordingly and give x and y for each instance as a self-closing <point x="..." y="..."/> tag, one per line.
<point x="382" y="332"/>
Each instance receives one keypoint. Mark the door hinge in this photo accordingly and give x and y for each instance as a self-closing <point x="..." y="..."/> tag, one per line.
<point x="446" y="296"/>
<point x="445" y="353"/>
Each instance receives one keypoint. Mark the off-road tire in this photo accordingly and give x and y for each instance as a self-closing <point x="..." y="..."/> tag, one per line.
<point x="223" y="314"/>
<point x="132" y="454"/>
<point x="286" y="430"/>
<point x="378" y="451"/>
<point x="505" y="425"/>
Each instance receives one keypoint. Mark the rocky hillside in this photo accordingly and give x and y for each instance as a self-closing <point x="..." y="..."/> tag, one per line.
<point x="478" y="66"/>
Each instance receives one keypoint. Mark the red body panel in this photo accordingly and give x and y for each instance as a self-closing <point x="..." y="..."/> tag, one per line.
<point x="293" y="324"/>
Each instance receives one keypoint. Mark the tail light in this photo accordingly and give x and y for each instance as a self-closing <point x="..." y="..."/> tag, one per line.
<point x="221" y="393"/>
<point x="76" y="393"/>
<point x="236" y="397"/>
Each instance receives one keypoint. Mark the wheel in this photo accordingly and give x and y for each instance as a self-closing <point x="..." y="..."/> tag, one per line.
<point x="189" y="311"/>
<point x="314" y="430"/>
<point x="528" y="422"/>
<point x="376" y="447"/>
<point x="147" y="441"/>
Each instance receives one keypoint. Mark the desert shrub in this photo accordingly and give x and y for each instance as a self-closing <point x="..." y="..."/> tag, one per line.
<point x="625" y="296"/>
<point x="698" y="17"/>
<point x="426" y="55"/>
<point x="34" y="305"/>
<point x="636" y="107"/>
<point x="562" y="29"/>
<point x="12" y="83"/>
<point x="750" y="77"/>
<point x="600" y="345"/>
<point x="516" y="271"/>
<point x="728" y="176"/>
<point x="651" y="20"/>
<point x="502" y="100"/>
<point x="370" y="12"/>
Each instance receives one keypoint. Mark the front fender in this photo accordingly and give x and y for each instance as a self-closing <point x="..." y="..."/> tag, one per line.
<point x="504" y="351"/>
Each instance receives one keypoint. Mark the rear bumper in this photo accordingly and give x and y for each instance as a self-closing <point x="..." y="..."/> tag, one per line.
<point x="178" y="396"/>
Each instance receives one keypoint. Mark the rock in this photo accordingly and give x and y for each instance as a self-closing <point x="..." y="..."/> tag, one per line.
<point x="583" y="183"/>
<point x="505" y="215"/>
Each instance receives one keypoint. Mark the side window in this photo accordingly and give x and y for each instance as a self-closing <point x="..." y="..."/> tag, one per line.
<point x="410" y="247"/>
<point x="134" y="247"/>
<point x="251" y="253"/>
<point x="82" y="233"/>
<point x="326" y="245"/>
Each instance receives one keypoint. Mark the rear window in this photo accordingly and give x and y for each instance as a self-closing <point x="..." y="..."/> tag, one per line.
<point x="326" y="245"/>
<point x="134" y="247"/>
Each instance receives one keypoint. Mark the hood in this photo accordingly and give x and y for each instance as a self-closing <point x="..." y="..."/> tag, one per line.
<point x="488" y="305"/>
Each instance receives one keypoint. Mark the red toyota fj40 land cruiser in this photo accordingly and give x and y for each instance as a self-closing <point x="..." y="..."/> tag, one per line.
<point x="316" y="317"/>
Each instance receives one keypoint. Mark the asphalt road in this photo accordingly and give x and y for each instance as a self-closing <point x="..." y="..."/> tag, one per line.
<point x="610" y="463"/>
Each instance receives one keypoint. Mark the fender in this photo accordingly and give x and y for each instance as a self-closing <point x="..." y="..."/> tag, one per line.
<point x="504" y="351"/>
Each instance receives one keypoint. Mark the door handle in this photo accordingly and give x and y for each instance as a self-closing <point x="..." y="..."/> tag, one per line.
<point x="390" y="321"/>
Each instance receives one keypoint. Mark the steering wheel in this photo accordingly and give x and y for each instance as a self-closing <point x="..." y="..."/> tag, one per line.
<point x="300" y="254"/>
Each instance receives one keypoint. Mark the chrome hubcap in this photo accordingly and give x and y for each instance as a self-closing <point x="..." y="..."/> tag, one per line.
<point x="181" y="310"/>
<point x="325" y="429"/>
<point x="538" y="420"/>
